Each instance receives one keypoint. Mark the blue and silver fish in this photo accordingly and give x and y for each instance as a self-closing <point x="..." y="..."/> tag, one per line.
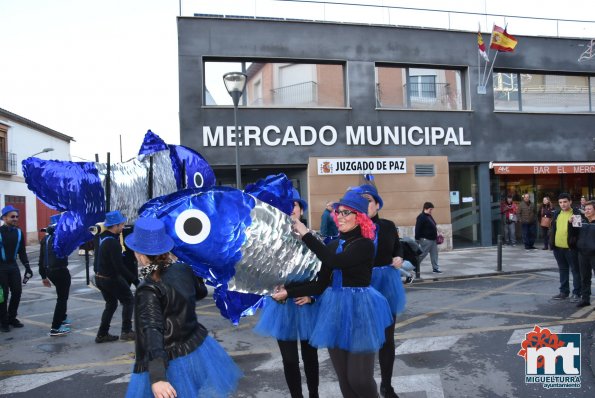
<point x="241" y="242"/>
<point x="79" y="188"/>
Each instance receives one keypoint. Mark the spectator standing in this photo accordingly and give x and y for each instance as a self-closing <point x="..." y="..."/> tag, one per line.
<point x="586" y="253"/>
<point x="582" y="205"/>
<point x="113" y="279"/>
<point x="509" y="210"/>
<point x="563" y="238"/>
<point x="546" y="212"/>
<point x="12" y="243"/>
<point x="328" y="228"/>
<point x="53" y="269"/>
<point x="426" y="234"/>
<point x="527" y="219"/>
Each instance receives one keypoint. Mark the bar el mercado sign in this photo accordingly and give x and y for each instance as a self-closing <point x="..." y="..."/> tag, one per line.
<point x="327" y="135"/>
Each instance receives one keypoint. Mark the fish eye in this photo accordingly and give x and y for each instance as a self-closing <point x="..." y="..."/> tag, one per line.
<point x="192" y="226"/>
<point x="198" y="180"/>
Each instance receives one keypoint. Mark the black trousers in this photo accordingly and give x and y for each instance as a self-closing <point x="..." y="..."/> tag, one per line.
<point x="61" y="279"/>
<point x="114" y="290"/>
<point x="355" y="372"/>
<point x="291" y="367"/>
<point x="586" y="268"/>
<point x="10" y="281"/>
<point x="386" y="355"/>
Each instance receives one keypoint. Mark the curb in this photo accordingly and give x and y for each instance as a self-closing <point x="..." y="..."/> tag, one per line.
<point x="474" y="276"/>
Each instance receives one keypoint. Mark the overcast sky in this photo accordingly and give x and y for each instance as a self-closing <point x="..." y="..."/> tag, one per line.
<point x="96" y="70"/>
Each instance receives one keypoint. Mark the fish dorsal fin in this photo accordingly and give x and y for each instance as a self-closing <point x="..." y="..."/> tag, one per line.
<point x="276" y="190"/>
<point x="152" y="143"/>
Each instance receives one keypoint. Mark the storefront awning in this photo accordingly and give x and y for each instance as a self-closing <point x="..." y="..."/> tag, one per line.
<point x="543" y="168"/>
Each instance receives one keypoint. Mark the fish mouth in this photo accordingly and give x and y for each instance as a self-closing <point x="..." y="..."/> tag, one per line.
<point x="272" y="254"/>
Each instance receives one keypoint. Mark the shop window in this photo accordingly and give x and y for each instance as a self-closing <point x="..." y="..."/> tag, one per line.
<point x="533" y="92"/>
<point x="416" y="88"/>
<point x="278" y="84"/>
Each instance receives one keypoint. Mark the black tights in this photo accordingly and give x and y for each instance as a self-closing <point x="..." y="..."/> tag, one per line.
<point x="386" y="355"/>
<point x="291" y="367"/>
<point x="355" y="372"/>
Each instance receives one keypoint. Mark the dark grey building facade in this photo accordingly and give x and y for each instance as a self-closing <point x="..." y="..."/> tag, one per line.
<point x="391" y="91"/>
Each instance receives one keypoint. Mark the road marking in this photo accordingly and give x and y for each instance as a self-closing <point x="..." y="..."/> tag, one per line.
<point x="518" y="335"/>
<point x="24" y="383"/>
<point x="123" y="379"/>
<point x="276" y="362"/>
<point x="427" y="344"/>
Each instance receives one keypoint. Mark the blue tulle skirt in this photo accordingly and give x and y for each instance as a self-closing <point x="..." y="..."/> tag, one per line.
<point x="288" y="321"/>
<point x="352" y="319"/>
<point x="387" y="280"/>
<point x="206" y="372"/>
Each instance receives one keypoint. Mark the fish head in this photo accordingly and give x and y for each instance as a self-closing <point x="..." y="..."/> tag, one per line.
<point x="208" y="226"/>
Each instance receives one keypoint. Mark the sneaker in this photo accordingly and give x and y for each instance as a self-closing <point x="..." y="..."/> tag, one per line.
<point x="409" y="279"/>
<point x="575" y="298"/>
<point x="128" y="336"/>
<point x="560" y="296"/>
<point x="106" y="338"/>
<point x="15" y="323"/>
<point x="4" y="328"/>
<point x="66" y="322"/>
<point x="388" y="392"/>
<point x="61" y="331"/>
<point x="583" y="303"/>
<point x="437" y="271"/>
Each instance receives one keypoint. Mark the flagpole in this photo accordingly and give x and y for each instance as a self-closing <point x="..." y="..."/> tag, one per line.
<point x="489" y="53"/>
<point x="491" y="69"/>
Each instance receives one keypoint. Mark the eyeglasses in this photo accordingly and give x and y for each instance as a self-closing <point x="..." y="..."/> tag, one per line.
<point x="14" y="217"/>
<point x="343" y="213"/>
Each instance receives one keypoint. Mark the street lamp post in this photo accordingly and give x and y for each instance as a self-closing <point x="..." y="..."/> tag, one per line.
<point x="44" y="150"/>
<point x="235" y="83"/>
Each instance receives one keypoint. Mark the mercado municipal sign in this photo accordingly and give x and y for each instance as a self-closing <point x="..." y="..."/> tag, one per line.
<point x="221" y="136"/>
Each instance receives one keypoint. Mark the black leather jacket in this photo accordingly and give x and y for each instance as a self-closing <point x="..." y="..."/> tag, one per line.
<point x="165" y="319"/>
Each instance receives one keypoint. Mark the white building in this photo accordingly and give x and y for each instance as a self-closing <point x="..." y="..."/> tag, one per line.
<point x="21" y="138"/>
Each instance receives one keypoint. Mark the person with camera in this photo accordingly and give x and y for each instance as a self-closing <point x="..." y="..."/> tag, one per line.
<point x="53" y="269"/>
<point x="12" y="243"/>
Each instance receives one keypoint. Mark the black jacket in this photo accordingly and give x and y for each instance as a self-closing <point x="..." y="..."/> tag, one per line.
<point x="9" y="242"/>
<point x="389" y="245"/>
<point x="356" y="262"/>
<point x="425" y="227"/>
<point x="165" y="320"/>
<point x="109" y="260"/>
<point x="572" y="231"/>
<point x="47" y="257"/>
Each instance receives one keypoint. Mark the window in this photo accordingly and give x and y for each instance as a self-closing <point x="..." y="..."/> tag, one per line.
<point x="419" y="88"/>
<point x="278" y="84"/>
<point x="533" y="92"/>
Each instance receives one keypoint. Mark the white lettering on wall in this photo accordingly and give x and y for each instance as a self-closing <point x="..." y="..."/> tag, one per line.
<point x="272" y="135"/>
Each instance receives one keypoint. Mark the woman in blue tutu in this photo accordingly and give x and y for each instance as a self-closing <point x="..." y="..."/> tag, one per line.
<point x="292" y="321"/>
<point x="175" y="356"/>
<point x="352" y="315"/>
<point x="386" y="278"/>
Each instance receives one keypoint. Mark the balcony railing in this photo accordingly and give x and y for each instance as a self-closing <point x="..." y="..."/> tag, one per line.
<point x="296" y="94"/>
<point x="8" y="163"/>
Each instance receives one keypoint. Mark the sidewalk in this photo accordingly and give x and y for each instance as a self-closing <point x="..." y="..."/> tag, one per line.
<point x="482" y="261"/>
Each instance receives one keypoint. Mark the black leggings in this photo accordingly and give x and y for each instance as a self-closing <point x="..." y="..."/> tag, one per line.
<point x="291" y="367"/>
<point x="386" y="355"/>
<point x="355" y="372"/>
<point x="61" y="279"/>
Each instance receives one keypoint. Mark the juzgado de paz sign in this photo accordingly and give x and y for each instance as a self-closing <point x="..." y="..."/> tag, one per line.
<point x="382" y="165"/>
<point x="221" y="136"/>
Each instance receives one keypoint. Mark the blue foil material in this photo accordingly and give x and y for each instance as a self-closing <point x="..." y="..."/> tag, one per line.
<point x="70" y="187"/>
<point x="275" y="190"/>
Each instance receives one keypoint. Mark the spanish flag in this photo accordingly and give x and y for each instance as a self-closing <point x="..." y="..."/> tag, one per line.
<point x="501" y="40"/>
<point x="481" y="47"/>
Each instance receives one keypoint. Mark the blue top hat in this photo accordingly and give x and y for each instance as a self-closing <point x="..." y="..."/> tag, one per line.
<point x="149" y="237"/>
<point x="114" y="218"/>
<point x="55" y="218"/>
<point x="8" y="209"/>
<point x="296" y="198"/>
<point x="354" y="200"/>
<point x="373" y="192"/>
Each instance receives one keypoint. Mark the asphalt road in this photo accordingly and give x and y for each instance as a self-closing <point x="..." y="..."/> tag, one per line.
<point x="457" y="338"/>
